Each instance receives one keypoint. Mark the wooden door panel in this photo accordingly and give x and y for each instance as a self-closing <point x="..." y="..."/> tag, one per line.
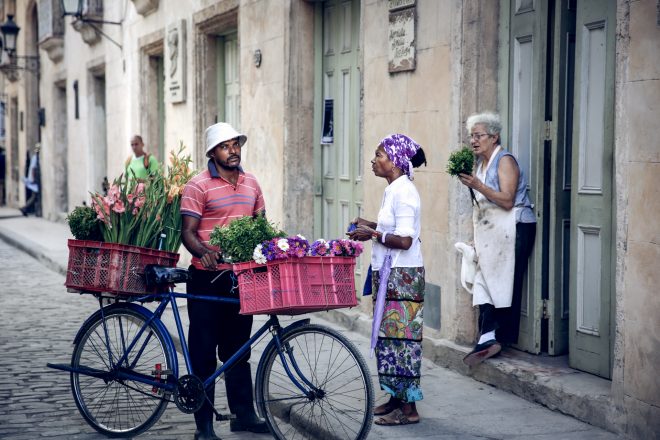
<point x="591" y="204"/>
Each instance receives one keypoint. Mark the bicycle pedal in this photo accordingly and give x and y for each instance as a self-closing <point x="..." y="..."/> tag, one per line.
<point x="160" y="373"/>
<point x="222" y="417"/>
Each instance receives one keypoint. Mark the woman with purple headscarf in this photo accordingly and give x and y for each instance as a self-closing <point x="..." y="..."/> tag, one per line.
<point x="398" y="277"/>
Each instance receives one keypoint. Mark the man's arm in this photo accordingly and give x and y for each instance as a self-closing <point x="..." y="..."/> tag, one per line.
<point x="208" y="257"/>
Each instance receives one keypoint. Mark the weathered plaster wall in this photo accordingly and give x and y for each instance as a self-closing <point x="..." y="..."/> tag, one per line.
<point x="419" y="104"/>
<point x="636" y="384"/>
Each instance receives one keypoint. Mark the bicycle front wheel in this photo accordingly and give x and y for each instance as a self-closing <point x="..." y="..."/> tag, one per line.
<point x="116" y="407"/>
<point x="341" y="403"/>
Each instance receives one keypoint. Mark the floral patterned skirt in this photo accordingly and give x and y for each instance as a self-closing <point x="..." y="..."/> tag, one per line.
<point x="399" y="346"/>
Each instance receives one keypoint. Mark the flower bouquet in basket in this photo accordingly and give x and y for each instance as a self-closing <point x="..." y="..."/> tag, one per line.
<point x="136" y="223"/>
<point x="279" y="274"/>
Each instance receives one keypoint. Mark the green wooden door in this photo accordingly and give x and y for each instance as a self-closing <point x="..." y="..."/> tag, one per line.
<point x="160" y="93"/>
<point x="526" y="44"/>
<point x="559" y="165"/>
<point x="228" y="98"/>
<point x="592" y="266"/>
<point x="340" y="195"/>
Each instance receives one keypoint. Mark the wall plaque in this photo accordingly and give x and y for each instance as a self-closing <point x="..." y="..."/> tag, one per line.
<point x="393" y="5"/>
<point x="175" y="61"/>
<point x="401" y="36"/>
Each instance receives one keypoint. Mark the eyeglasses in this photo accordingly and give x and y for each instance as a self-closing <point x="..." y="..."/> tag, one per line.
<point x="477" y="136"/>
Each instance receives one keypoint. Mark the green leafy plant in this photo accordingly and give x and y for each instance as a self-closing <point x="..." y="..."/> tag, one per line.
<point x="462" y="162"/>
<point x="238" y="239"/>
<point x="84" y="224"/>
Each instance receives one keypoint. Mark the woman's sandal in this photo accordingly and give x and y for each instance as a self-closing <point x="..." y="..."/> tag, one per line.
<point x="395" y="418"/>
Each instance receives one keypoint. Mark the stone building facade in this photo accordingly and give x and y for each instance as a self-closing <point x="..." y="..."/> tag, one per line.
<point x="316" y="84"/>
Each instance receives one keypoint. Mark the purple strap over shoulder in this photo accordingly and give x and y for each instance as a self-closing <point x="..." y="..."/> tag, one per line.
<point x="384" y="275"/>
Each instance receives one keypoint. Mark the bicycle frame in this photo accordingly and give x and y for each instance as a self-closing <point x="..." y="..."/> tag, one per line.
<point x="166" y="298"/>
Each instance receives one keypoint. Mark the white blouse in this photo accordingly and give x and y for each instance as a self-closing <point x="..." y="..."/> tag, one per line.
<point x="399" y="215"/>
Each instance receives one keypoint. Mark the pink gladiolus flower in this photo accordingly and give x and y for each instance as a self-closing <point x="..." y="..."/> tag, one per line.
<point x="139" y="201"/>
<point x="113" y="194"/>
<point x="119" y="207"/>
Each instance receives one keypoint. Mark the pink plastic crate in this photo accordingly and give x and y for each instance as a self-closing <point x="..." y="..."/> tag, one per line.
<point x="96" y="266"/>
<point x="296" y="285"/>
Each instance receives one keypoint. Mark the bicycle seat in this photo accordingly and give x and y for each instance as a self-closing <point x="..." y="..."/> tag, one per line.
<point x="160" y="275"/>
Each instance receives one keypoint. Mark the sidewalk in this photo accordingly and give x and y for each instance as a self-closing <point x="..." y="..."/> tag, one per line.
<point x="550" y="383"/>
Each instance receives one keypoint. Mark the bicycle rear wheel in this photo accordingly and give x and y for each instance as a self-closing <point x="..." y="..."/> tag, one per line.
<point x="120" y="408"/>
<point x="342" y="409"/>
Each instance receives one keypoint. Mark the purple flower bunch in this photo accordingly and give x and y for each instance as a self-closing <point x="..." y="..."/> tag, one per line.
<point x="320" y="248"/>
<point x="281" y="249"/>
<point x="336" y="248"/>
<point x="345" y="248"/>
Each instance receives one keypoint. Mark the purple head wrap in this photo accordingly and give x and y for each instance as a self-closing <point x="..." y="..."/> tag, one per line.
<point x="400" y="149"/>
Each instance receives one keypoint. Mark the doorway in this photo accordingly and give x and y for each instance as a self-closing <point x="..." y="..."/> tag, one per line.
<point x="98" y="151"/>
<point x="60" y="150"/>
<point x="557" y="107"/>
<point x="336" y="131"/>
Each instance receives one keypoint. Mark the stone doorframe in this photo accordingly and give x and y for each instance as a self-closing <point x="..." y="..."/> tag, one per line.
<point x="475" y="67"/>
<point x="207" y="23"/>
<point x="150" y="45"/>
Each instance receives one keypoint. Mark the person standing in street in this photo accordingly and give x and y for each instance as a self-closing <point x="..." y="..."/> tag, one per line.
<point x="398" y="278"/>
<point x="141" y="164"/>
<point x="221" y="193"/>
<point x="32" y="183"/>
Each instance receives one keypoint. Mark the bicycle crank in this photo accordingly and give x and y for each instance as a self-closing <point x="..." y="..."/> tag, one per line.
<point x="189" y="394"/>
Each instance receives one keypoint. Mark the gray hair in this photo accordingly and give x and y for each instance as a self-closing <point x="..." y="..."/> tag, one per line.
<point x="490" y="121"/>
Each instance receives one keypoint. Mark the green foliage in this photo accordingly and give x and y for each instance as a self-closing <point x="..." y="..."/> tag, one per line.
<point x="460" y="162"/>
<point x="238" y="239"/>
<point x="84" y="224"/>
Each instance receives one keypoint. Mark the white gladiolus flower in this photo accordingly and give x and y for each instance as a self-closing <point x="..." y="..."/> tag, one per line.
<point x="283" y="244"/>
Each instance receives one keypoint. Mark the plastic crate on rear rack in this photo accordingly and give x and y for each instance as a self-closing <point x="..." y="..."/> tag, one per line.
<point x="96" y="266"/>
<point x="296" y="285"/>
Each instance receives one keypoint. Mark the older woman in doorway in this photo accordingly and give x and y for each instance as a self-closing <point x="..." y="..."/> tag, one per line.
<point x="504" y="231"/>
<point x="398" y="277"/>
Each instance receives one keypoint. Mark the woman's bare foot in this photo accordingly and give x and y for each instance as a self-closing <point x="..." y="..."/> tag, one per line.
<point x="410" y="411"/>
<point x="387" y="407"/>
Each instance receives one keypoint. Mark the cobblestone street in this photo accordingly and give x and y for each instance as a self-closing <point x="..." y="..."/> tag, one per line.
<point x="38" y="321"/>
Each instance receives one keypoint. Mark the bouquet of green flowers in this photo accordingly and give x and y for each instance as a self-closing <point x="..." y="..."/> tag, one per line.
<point x="238" y="239"/>
<point x="462" y="162"/>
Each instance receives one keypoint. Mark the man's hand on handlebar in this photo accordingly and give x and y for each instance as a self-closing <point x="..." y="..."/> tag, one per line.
<point x="211" y="259"/>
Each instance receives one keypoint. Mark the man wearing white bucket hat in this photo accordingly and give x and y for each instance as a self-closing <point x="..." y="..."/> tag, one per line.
<point x="215" y="197"/>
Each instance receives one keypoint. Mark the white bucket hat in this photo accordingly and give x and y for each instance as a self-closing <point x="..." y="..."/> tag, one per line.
<point x="219" y="133"/>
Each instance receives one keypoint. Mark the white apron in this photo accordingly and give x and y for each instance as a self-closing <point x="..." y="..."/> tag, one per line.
<point x="495" y="243"/>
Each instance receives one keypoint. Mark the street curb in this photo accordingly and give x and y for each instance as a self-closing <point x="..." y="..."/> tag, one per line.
<point x="34" y="250"/>
<point x="580" y="395"/>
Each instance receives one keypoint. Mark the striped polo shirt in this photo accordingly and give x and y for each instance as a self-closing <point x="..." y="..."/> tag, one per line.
<point x="216" y="202"/>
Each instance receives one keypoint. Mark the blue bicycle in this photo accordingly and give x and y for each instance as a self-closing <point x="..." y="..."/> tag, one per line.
<point x="311" y="381"/>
